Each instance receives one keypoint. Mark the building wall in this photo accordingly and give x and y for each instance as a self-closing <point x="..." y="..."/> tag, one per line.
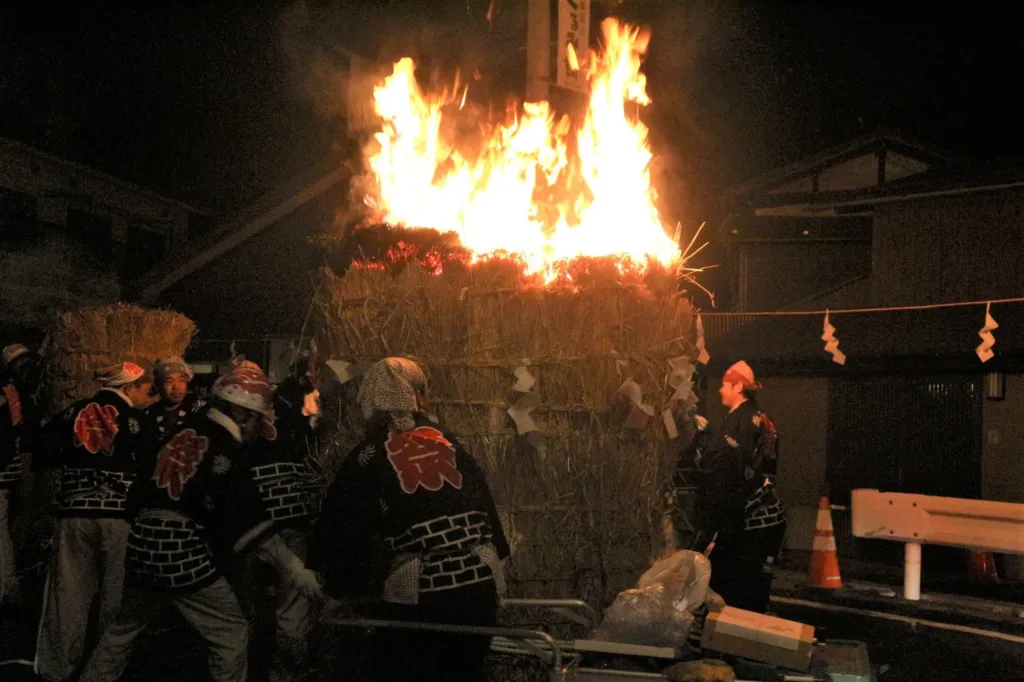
<point x="48" y="258"/>
<point x="46" y="273"/>
<point x="949" y="248"/>
<point x="263" y="287"/>
<point x="799" y="407"/>
<point x="1003" y="455"/>
<point x="59" y="185"/>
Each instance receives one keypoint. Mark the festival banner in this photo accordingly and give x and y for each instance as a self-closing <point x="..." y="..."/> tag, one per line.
<point x="573" y="29"/>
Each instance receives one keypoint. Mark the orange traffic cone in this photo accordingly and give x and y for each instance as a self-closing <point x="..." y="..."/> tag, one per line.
<point x="981" y="568"/>
<point x="824" y="573"/>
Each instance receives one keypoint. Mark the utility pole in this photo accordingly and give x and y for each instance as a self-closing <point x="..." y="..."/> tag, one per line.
<point x="538" y="51"/>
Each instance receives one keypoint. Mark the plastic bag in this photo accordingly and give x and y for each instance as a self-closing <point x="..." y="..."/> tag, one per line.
<point x="714" y="601"/>
<point x="645" y="616"/>
<point x="684" y="574"/>
<point x="659" y="612"/>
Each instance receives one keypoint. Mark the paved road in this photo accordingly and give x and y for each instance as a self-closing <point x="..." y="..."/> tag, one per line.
<point x="913" y="650"/>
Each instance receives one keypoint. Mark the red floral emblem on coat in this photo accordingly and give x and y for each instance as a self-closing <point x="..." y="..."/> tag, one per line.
<point x="96" y="428"/>
<point x="424" y="458"/>
<point x="178" y="461"/>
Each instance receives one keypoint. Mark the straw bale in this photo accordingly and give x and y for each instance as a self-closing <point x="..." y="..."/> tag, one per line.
<point x="87" y="339"/>
<point x="581" y="503"/>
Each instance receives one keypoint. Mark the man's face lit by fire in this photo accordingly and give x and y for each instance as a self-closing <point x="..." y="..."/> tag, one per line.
<point x="731" y="394"/>
<point x="173" y="388"/>
<point x="140" y="393"/>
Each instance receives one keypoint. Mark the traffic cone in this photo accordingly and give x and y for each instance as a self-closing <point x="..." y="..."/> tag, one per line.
<point x="824" y="573"/>
<point x="981" y="568"/>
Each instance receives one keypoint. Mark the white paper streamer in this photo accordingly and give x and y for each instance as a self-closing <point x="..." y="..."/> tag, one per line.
<point x="702" y="354"/>
<point x="641" y="411"/>
<point x="832" y="343"/>
<point x="524" y="380"/>
<point x="680" y="378"/>
<point x="670" y="424"/>
<point x="520" y="413"/>
<point x="984" y="349"/>
<point x="344" y="370"/>
<point x="620" y="364"/>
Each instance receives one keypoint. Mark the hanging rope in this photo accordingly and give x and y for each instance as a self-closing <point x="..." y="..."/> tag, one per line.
<point x="849" y="311"/>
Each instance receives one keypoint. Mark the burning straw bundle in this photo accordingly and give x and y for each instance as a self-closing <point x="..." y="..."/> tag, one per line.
<point x="85" y="340"/>
<point x="579" y="497"/>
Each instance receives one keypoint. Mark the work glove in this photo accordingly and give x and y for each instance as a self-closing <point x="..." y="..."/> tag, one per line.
<point x="305" y="581"/>
<point x="291" y="567"/>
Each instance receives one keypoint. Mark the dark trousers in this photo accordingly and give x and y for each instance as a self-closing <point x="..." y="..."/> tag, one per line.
<point x="401" y="655"/>
<point x="743" y="565"/>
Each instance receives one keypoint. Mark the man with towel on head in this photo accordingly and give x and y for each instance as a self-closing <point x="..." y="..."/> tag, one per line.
<point x="280" y="464"/>
<point x="741" y="519"/>
<point x="171" y="377"/>
<point x="93" y="443"/>
<point x="198" y="510"/>
<point x="409" y="522"/>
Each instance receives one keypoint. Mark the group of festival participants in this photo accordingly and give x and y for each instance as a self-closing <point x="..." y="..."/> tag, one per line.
<point x="164" y="497"/>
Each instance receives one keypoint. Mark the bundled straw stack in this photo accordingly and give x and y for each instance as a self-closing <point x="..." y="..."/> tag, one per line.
<point x="580" y="496"/>
<point x="85" y="340"/>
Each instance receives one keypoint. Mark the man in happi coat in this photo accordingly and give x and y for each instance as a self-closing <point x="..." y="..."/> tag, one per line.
<point x="94" y="445"/>
<point x="740" y="515"/>
<point x="280" y="462"/>
<point x="171" y="377"/>
<point x="409" y="523"/>
<point x="198" y="510"/>
<point x="18" y="419"/>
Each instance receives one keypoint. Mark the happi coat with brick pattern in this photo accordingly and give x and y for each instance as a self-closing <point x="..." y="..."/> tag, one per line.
<point x="197" y="506"/>
<point x="751" y="435"/>
<point x="280" y="460"/>
<point x="408" y="513"/>
<point x="164" y="419"/>
<point x="94" y="444"/>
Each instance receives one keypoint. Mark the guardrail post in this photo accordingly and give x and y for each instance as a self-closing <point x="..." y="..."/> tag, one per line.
<point x="912" y="572"/>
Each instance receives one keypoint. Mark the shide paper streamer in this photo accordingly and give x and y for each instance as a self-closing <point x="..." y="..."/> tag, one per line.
<point x="984" y="349"/>
<point x="832" y="343"/>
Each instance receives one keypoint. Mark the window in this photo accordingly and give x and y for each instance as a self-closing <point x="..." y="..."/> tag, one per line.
<point x="94" y="233"/>
<point x="146" y="247"/>
<point x="199" y="226"/>
<point x="17" y="216"/>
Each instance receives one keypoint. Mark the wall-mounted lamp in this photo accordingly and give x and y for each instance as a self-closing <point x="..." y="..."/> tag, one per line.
<point x="995" y="386"/>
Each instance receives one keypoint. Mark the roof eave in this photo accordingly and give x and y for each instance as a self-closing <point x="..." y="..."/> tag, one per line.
<point x="913" y="196"/>
<point x="151" y="286"/>
<point x="890" y="139"/>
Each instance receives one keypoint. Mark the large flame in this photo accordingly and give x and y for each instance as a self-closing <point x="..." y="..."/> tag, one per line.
<point x="531" y="187"/>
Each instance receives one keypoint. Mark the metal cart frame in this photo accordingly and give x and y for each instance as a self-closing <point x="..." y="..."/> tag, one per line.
<point x="561" y="658"/>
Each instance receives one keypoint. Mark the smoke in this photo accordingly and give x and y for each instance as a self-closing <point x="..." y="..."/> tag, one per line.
<point x="317" y="68"/>
<point x="320" y="44"/>
<point x="694" y="46"/>
<point x="335" y="53"/>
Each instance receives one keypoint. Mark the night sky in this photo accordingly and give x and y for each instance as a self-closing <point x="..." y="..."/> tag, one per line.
<point x="215" y="105"/>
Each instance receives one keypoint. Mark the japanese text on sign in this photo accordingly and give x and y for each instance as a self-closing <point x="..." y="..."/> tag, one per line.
<point x="573" y="29"/>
